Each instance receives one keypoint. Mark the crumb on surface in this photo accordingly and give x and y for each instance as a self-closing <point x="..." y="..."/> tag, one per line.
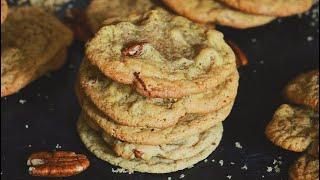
<point x="206" y="160"/>
<point x="244" y="167"/>
<point x="221" y="162"/>
<point x="22" y="101"/>
<point x="269" y="169"/>
<point x="229" y="176"/>
<point x="232" y="163"/>
<point x="26" y="126"/>
<point x="238" y="145"/>
<point x="181" y="176"/>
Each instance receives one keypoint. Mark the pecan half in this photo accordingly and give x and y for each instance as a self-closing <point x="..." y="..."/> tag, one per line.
<point x="241" y="58"/>
<point x="57" y="164"/>
<point x="133" y="49"/>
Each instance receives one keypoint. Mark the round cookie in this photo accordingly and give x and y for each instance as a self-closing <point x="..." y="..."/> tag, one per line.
<point x="182" y="149"/>
<point x="4" y="10"/>
<point x="122" y="104"/>
<point x="305" y="168"/>
<point x="271" y="7"/>
<point x="98" y="147"/>
<point x="114" y="10"/>
<point x="22" y="61"/>
<point x="184" y="59"/>
<point x="304" y="90"/>
<point x="293" y="128"/>
<point x="189" y="125"/>
<point x="212" y="11"/>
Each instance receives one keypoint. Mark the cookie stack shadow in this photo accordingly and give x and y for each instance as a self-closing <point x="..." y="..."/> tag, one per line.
<point x="141" y="120"/>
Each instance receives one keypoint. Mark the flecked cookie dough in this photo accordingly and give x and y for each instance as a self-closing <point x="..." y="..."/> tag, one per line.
<point x="99" y="11"/>
<point x="305" y="168"/>
<point x="126" y="107"/>
<point x="212" y="11"/>
<point x="4" y="10"/>
<point x="293" y="128"/>
<point x="94" y="142"/>
<point x="187" y="126"/>
<point x="30" y="40"/>
<point x="271" y="7"/>
<point x="162" y="55"/>
<point x="304" y="90"/>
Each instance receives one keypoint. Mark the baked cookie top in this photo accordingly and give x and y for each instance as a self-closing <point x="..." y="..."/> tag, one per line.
<point x="304" y="90"/>
<point x="30" y="38"/>
<point x="99" y="11"/>
<point x="293" y="128"/>
<point x="212" y="11"/>
<point x="188" y="125"/>
<point x="94" y="142"/>
<point x="271" y="7"/>
<point x="162" y="55"/>
<point x="126" y="107"/>
<point x="306" y="167"/>
<point x="4" y="10"/>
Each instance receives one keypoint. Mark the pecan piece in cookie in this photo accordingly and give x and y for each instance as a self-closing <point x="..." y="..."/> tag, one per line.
<point x="133" y="49"/>
<point x="57" y="164"/>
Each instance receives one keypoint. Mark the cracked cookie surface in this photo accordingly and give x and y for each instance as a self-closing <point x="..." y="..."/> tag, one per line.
<point x="162" y="55"/>
<point x="293" y="128"/>
<point x="305" y="168"/>
<point x="22" y="61"/>
<point x="211" y="11"/>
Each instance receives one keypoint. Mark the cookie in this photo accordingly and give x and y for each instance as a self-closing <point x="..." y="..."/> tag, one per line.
<point x="304" y="90"/>
<point x="212" y="11"/>
<point x="305" y="168"/>
<point x="4" y="10"/>
<point x="22" y="61"/>
<point x="189" y="125"/>
<point x="271" y="7"/>
<point x="293" y="128"/>
<point x="182" y="149"/>
<point x="184" y="59"/>
<point x="100" y="12"/>
<point x="122" y="104"/>
<point x="94" y="142"/>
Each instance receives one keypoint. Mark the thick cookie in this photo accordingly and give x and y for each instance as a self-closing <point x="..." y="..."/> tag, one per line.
<point x="189" y="125"/>
<point x="126" y="107"/>
<point x="305" y="168"/>
<point x="185" y="148"/>
<point x="4" y="10"/>
<point x="94" y="142"/>
<point x="30" y="40"/>
<point x="271" y="7"/>
<point x="114" y="10"/>
<point x="211" y="11"/>
<point x="293" y="128"/>
<point x="185" y="58"/>
<point x="304" y="90"/>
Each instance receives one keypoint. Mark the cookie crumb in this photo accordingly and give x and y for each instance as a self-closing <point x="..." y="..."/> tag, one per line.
<point x="22" y="101"/>
<point x="181" y="176"/>
<point x="212" y="160"/>
<point x="309" y="38"/>
<point x="253" y="40"/>
<point x="229" y="176"/>
<point x="269" y="169"/>
<point x="26" y="126"/>
<point x="221" y="162"/>
<point x="232" y="163"/>
<point x="58" y="146"/>
<point x="262" y="176"/>
<point x="238" y="145"/>
<point x="169" y="178"/>
<point x="206" y="160"/>
<point x="29" y="145"/>
<point x="277" y="169"/>
<point x="244" y="167"/>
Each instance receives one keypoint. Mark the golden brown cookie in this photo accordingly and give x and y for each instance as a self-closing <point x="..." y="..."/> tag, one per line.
<point x="212" y="11"/>
<point x="271" y="7"/>
<point x="100" y="11"/>
<point x="126" y="107"/>
<point x="4" y="10"/>
<point x="293" y="128"/>
<point x="304" y="90"/>
<point x="22" y="61"/>
<point x="184" y="59"/>
<point x="305" y="168"/>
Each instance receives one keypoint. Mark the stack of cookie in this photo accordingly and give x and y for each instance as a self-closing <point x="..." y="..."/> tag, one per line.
<point x="296" y="127"/>
<point x="33" y="42"/>
<point x="154" y="92"/>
